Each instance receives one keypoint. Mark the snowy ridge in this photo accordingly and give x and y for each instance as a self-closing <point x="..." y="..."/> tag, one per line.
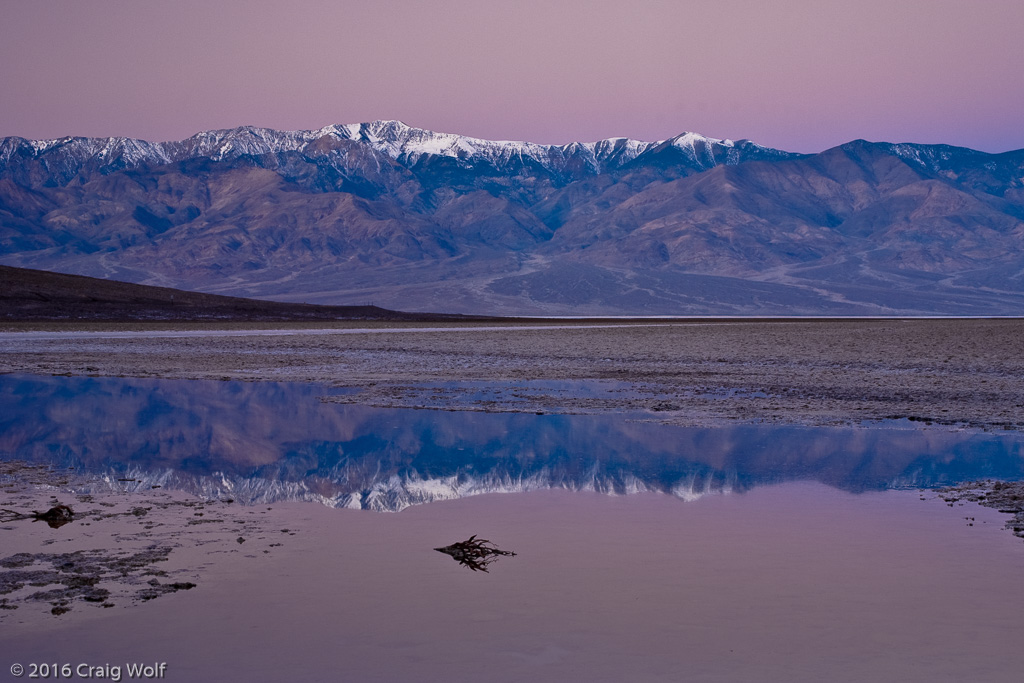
<point x="944" y="159"/>
<point x="110" y="153"/>
<point x="399" y="141"/>
<point x="394" y="139"/>
<point x="404" y="143"/>
<point x="410" y="146"/>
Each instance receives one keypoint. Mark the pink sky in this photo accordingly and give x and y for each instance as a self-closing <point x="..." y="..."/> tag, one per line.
<point x="802" y="75"/>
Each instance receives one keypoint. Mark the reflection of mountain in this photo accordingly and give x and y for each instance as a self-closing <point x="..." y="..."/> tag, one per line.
<point x="261" y="442"/>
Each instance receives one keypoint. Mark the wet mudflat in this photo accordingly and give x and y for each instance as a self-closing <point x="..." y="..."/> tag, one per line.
<point x="115" y="548"/>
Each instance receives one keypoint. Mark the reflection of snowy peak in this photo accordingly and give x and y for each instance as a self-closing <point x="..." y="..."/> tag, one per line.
<point x="263" y="441"/>
<point x="393" y="493"/>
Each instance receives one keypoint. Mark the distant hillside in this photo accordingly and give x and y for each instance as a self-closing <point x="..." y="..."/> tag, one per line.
<point x="35" y="295"/>
<point x="406" y="218"/>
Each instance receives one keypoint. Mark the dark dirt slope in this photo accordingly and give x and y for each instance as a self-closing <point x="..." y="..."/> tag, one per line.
<point x="37" y="295"/>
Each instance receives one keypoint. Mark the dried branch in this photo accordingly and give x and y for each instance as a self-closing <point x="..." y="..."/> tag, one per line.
<point x="475" y="553"/>
<point x="56" y="516"/>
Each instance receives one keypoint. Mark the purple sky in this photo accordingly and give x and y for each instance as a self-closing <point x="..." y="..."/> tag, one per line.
<point x="801" y="75"/>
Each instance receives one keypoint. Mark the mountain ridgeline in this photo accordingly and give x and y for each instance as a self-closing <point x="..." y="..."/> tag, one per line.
<point x="381" y="213"/>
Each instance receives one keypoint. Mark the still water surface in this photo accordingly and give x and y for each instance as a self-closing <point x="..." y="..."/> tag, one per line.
<point x="275" y="441"/>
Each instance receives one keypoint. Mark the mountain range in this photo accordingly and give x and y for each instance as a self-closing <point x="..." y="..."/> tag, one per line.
<point x="385" y="214"/>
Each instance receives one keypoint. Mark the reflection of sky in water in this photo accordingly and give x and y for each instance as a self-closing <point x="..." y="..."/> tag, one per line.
<point x="267" y="441"/>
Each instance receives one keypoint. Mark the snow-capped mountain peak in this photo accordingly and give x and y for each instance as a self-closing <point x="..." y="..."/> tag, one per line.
<point x="400" y="141"/>
<point x="395" y="139"/>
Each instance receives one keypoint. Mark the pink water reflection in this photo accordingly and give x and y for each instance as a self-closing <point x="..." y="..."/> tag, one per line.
<point x="789" y="583"/>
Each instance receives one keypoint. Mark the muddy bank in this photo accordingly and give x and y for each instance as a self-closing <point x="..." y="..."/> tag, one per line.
<point x="1005" y="496"/>
<point x="118" y="548"/>
<point x="938" y="372"/>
